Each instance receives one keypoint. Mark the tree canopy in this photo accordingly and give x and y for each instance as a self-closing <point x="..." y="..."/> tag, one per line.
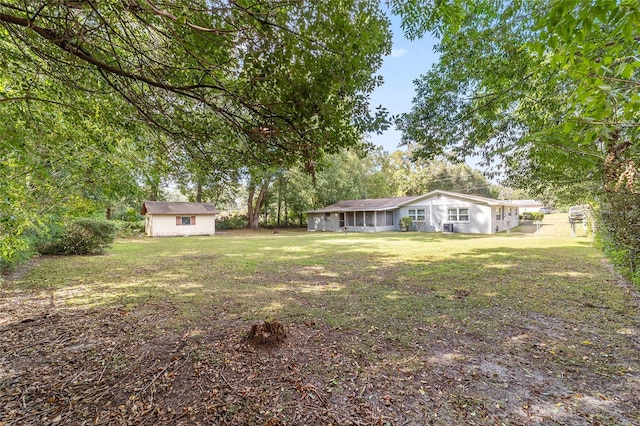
<point x="549" y="86"/>
<point x="263" y="82"/>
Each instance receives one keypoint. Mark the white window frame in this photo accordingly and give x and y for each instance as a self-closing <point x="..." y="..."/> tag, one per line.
<point x="417" y="215"/>
<point x="455" y="214"/>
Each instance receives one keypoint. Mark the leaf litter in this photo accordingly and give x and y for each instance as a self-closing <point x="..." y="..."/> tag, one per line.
<point x="146" y="365"/>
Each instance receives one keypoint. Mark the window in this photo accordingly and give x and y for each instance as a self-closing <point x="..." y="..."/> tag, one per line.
<point x="498" y="215"/>
<point x="185" y="220"/>
<point x="341" y="220"/>
<point x="359" y="218"/>
<point x="417" y="215"/>
<point x="458" y="215"/>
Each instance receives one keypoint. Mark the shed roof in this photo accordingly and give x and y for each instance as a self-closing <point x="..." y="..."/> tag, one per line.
<point x="167" y="207"/>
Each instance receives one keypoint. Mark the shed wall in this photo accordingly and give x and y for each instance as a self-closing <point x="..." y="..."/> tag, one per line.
<point x="165" y="226"/>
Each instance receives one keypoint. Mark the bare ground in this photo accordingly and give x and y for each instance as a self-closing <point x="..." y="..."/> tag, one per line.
<point x="138" y="366"/>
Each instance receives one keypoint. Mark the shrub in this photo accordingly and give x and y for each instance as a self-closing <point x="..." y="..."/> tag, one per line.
<point x="237" y="221"/>
<point x="532" y="216"/>
<point x="618" y="233"/>
<point x="80" y="237"/>
<point x="129" y="228"/>
<point x="405" y="223"/>
<point x="13" y="250"/>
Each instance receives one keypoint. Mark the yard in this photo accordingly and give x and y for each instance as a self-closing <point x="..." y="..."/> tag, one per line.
<point x="412" y="328"/>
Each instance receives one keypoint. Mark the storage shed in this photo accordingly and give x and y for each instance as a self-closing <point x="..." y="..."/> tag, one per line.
<point x="173" y="219"/>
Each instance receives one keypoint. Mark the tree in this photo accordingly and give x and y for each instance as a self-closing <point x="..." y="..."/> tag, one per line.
<point x="56" y="165"/>
<point x="415" y="176"/>
<point x="351" y="175"/>
<point x="514" y="81"/>
<point x="258" y="185"/>
<point x="268" y="82"/>
<point x="551" y="87"/>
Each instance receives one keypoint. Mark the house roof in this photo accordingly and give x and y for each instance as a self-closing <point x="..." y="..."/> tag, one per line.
<point x="394" y="203"/>
<point x="474" y="198"/>
<point x="532" y="203"/>
<point x="370" y="204"/>
<point x="166" y="207"/>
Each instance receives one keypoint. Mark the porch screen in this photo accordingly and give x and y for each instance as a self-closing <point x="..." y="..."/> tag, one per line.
<point x="370" y="218"/>
<point x="384" y="218"/>
<point x="350" y="219"/>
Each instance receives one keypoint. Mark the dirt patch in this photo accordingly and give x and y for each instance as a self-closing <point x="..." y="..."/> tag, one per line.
<point x="128" y="366"/>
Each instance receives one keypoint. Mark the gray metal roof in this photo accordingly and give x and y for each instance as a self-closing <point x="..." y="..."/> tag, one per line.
<point x="371" y="204"/>
<point x="167" y="207"/>
<point x="376" y="204"/>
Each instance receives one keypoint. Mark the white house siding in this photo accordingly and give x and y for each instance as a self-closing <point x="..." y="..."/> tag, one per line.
<point x="165" y="226"/>
<point x="482" y="217"/>
<point x="422" y="226"/>
<point x="504" y="217"/>
<point x="323" y="222"/>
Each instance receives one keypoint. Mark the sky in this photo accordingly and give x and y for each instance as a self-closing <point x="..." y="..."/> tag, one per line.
<point x="407" y="61"/>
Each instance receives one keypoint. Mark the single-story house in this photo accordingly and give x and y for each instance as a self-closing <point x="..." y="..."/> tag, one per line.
<point x="528" y="205"/>
<point x="172" y="219"/>
<point x="437" y="211"/>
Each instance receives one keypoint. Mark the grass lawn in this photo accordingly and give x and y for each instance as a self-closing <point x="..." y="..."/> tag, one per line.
<point x="390" y="328"/>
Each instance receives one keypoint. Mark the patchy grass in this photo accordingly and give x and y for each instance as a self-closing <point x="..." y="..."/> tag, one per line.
<point x="519" y="328"/>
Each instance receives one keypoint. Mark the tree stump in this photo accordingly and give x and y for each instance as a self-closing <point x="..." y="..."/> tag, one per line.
<point x="266" y="334"/>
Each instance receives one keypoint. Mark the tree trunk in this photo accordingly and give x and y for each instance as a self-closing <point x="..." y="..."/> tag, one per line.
<point x="199" y="192"/>
<point x="255" y="203"/>
<point x="286" y="215"/>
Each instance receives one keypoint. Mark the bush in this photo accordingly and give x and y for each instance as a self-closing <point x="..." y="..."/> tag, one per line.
<point x="405" y="223"/>
<point x="13" y="250"/>
<point x="237" y="221"/>
<point x="532" y="216"/>
<point x="618" y="233"/>
<point x="81" y="237"/>
<point x="129" y="228"/>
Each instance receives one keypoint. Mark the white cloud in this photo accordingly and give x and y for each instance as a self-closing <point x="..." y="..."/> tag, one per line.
<point x="398" y="53"/>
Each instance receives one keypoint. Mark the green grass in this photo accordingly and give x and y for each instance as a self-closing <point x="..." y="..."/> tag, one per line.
<point x="449" y="313"/>
<point x="385" y="280"/>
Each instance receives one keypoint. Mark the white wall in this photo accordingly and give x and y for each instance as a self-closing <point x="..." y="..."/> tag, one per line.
<point x="508" y="217"/>
<point x="322" y="222"/>
<point x="165" y="226"/>
<point x="481" y="216"/>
